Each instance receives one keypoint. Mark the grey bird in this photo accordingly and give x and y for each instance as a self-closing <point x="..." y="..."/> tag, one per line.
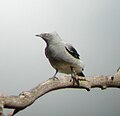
<point x="63" y="57"/>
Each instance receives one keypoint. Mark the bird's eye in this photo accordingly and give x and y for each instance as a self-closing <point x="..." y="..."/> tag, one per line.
<point x="46" y="34"/>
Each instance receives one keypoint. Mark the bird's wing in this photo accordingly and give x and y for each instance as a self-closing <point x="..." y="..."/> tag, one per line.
<point x="72" y="50"/>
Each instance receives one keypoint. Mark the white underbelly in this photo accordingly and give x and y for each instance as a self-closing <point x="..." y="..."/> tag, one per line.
<point x="66" y="68"/>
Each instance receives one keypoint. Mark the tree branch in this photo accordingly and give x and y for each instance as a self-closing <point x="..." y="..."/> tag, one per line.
<point x="26" y="98"/>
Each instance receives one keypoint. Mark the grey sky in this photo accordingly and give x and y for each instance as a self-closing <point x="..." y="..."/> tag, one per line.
<point x="92" y="26"/>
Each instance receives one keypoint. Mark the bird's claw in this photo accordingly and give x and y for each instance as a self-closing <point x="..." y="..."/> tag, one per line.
<point x="82" y="79"/>
<point x="54" y="78"/>
<point x="77" y="79"/>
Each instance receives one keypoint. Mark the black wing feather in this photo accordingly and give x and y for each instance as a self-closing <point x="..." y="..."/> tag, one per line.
<point x="72" y="51"/>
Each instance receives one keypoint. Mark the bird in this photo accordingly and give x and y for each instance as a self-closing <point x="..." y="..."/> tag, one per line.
<point x="62" y="56"/>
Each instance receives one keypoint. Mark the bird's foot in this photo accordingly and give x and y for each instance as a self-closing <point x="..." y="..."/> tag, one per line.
<point x="54" y="78"/>
<point x="81" y="78"/>
<point x="76" y="79"/>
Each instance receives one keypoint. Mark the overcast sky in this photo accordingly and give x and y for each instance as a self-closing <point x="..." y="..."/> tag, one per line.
<point x="92" y="26"/>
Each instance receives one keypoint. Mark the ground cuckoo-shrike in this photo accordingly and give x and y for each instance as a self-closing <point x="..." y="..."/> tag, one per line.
<point x="62" y="56"/>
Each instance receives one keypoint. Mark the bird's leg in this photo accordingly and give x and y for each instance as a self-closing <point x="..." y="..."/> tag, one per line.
<point x="54" y="76"/>
<point x="73" y="75"/>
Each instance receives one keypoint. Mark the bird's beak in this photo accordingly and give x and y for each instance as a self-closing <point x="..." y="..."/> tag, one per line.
<point x="38" y="35"/>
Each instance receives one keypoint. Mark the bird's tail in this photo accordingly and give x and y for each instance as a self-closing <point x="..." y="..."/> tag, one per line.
<point x="81" y="74"/>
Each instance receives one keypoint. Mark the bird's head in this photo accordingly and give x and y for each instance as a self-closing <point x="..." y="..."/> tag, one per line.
<point x="49" y="37"/>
